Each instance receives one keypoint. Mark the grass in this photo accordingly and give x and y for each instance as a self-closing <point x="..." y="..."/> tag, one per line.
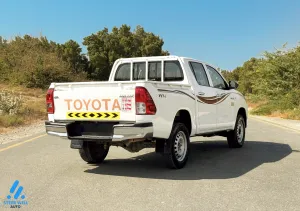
<point x="255" y="101"/>
<point x="26" y="92"/>
<point x="11" y="120"/>
<point x="32" y="109"/>
<point x="276" y="108"/>
<point x="294" y="114"/>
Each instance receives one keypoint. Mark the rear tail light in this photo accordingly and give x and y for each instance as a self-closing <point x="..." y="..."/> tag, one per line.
<point x="143" y="102"/>
<point x="50" y="101"/>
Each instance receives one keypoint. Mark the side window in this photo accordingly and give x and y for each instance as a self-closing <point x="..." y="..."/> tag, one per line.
<point x="172" y="71"/>
<point x="139" y="70"/>
<point x="216" y="78"/>
<point x="154" y="71"/>
<point x="199" y="73"/>
<point x="123" y="72"/>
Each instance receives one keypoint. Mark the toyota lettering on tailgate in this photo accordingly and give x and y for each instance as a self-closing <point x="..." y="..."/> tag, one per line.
<point x="81" y="109"/>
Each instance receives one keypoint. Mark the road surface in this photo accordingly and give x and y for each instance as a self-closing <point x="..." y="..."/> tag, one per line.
<point x="263" y="175"/>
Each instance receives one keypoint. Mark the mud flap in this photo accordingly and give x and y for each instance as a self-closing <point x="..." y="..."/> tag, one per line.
<point x="76" y="144"/>
<point x="163" y="146"/>
<point x="168" y="146"/>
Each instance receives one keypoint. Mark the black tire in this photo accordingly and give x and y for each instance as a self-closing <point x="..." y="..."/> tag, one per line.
<point x="179" y="131"/>
<point x="236" y="137"/>
<point x="93" y="152"/>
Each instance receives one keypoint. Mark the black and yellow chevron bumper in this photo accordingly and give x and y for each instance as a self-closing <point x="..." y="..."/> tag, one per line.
<point x="93" y="115"/>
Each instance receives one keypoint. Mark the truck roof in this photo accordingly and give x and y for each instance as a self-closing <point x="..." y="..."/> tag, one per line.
<point x="153" y="58"/>
<point x="156" y="57"/>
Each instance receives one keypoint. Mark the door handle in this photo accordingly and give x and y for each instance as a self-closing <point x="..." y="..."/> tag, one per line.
<point x="201" y="93"/>
<point x="220" y="94"/>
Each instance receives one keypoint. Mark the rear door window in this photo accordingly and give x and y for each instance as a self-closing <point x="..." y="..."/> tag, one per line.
<point x="173" y="71"/>
<point x="200" y="74"/>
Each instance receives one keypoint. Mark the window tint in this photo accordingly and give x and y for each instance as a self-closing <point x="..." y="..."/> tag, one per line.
<point x="139" y="71"/>
<point x="216" y="78"/>
<point x="172" y="71"/>
<point x="200" y="73"/>
<point x="123" y="72"/>
<point x="154" y="71"/>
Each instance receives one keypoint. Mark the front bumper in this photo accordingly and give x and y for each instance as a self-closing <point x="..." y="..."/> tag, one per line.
<point x="121" y="132"/>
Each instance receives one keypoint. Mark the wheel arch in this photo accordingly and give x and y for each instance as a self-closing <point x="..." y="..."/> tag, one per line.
<point x="183" y="116"/>
<point x="242" y="111"/>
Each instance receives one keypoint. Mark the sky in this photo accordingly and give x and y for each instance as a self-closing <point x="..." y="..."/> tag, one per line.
<point x="222" y="33"/>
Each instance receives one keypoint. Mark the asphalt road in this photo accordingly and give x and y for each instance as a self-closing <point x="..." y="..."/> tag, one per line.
<point x="263" y="175"/>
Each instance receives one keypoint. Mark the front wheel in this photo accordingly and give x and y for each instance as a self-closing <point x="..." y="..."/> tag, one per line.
<point x="93" y="152"/>
<point x="236" y="137"/>
<point x="178" y="145"/>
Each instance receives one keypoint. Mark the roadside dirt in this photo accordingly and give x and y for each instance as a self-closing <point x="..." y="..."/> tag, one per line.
<point x="14" y="134"/>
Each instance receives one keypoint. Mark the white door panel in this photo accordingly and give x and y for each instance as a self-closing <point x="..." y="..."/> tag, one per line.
<point x="224" y="101"/>
<point x="206" y="109"/>
<point x="205" y="96"/>
<point x="225" y="109"/>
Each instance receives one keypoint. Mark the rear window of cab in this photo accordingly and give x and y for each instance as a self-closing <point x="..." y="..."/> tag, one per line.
<point x="172" y="71"/>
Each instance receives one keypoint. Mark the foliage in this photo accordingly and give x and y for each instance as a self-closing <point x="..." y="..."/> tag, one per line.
<point x="105" y="47"/>
<point x="36" y="62"/>
<point x="11" y="120"/>
<point x="10" y="104"/>
<point x="21" y="105"/>
<point x="265" y="109"/>
<point x="245" y="75"/>
<point x="275" y="78"/>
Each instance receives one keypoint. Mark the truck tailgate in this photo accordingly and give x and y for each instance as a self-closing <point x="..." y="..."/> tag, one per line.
<point x="94" y="101"/>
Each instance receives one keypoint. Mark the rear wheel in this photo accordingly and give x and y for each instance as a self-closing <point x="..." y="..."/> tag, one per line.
<point x="236" y="137"/>
<point x="93" y="152"/>
<point x="178" y="144"/>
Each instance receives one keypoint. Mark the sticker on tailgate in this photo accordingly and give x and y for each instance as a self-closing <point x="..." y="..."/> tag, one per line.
<point x="93" y="115"/>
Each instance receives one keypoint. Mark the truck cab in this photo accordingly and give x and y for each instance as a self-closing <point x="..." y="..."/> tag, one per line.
<point x="158" y="102"/>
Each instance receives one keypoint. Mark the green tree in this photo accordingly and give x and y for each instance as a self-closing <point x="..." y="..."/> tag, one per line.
<point x="70" y="52"/>
<point x="105" y="47"/>
<point x="3" y="42"/>
<point x="279" y="75"/>
<point x="247" y="75"/>
<point x="34" y="62"/>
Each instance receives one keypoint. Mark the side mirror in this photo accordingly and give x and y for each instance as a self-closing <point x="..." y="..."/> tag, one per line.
<point x="233" y="85"/>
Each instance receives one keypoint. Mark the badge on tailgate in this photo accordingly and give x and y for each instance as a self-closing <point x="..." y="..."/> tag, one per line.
<point x="81" y="109"/>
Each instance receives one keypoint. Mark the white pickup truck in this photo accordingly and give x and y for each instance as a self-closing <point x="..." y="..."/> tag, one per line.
<point x="148" y="102"/>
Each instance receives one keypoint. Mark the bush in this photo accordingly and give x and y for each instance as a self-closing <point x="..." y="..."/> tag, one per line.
<point x="294" y="114"/>
<point x="10" y="103"/>
<point x="265" y="109"/>
<point x="17" y="110"/>
<point x="255" y="98"/>
<point x="34" y="110"/>
<point x="36" y="62"/>
<point x="11" y="120"/>
<point x="283" y="106"/>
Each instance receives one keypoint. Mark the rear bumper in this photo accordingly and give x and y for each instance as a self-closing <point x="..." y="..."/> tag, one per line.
<point x="121" y="132"/>
<point x="56" y="129"/>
